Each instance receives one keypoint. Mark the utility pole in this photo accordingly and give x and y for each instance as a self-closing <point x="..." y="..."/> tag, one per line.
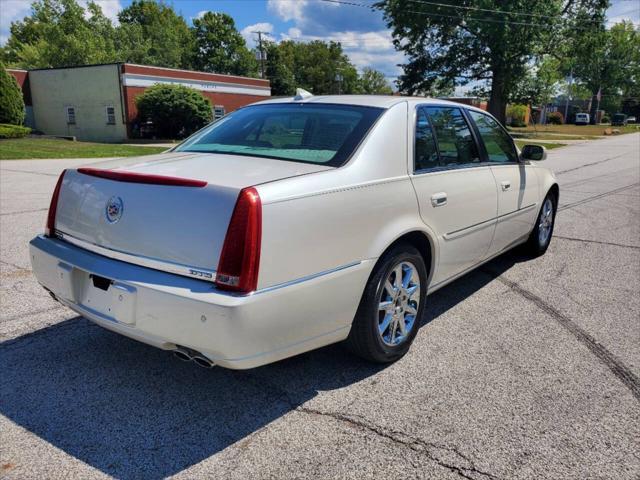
<point x="339" y="78"/>
<point x="262" y="53"/>
<point x="566" y="105"/>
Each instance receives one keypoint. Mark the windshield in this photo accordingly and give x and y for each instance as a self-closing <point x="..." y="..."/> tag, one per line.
<point x="312" y="133"/>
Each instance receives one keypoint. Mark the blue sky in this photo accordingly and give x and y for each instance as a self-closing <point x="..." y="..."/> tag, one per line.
<point x="363" y="33"/>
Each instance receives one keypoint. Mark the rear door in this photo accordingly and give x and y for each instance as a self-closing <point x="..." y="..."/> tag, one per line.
<point x="516" y="181"/>
<point x="456" y="190"/>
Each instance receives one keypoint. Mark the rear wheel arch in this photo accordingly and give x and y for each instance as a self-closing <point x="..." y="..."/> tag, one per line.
<point x="422" y="242"/>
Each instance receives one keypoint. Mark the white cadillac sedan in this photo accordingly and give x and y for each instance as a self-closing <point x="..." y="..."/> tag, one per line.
<point x="292" y="224"/>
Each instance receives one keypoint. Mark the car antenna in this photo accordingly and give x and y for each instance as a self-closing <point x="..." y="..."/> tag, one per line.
<point x="301" y="94"/>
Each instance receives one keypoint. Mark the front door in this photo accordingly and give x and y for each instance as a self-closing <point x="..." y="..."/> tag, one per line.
<point x="456" y="191"/>
<point x="516" y="181"/>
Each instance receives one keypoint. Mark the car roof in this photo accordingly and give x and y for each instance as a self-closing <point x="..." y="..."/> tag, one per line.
<point x="380" y="101"/>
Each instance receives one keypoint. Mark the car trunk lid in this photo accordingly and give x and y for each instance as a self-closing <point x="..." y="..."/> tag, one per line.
<point x="168" y="212"/>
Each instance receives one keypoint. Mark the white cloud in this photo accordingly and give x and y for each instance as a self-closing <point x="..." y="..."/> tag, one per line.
<point x="293" y="33"/>
<point x="110" y="8"/>
<point x="251" y="38"/>
<point x="622" y="10"/>
<point x="287" y="9"/>
<point x="364" y="49"/>
<point x="10" y="11"/>
<point x="200" y="14"/>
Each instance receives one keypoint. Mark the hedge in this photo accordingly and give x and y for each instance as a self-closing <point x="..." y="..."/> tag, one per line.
<point x="13" y="131"/>
<point x="175" y="111"/>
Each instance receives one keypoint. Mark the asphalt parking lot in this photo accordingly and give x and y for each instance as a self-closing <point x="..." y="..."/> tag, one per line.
<point x="522" y="369"/>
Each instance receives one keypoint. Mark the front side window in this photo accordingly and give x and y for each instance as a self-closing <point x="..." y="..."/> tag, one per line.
<point x="455" y="141"/>
<point x="497" y="142"/>
<point x="311" y="133"/>
<point x="426" y="153"/>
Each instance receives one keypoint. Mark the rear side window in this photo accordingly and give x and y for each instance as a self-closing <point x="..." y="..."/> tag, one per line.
<point x="426" y="153"/>
<point x="453" y="136"/>
<point x="497" y="142"/>
<point x="304" y="132"/>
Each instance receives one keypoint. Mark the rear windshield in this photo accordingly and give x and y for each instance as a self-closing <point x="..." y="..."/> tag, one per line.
<point x="302" y="132"/>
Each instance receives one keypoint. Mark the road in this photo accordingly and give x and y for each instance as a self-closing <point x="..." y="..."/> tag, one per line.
<point x="524" y="369"/>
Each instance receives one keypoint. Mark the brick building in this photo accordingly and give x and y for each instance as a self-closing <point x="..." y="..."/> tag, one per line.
<point x="97" y="102"/>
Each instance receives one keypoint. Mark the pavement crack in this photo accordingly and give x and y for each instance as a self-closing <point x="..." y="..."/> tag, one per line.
<point x="14" y="170"/>
<point x="57" y="328"/>
<point x="584" y="240"/>
<point x="434" y="451"/>
<point x="20" y="212"/>
<point x="596" y="197"/>
<point x="469" y="470"/>
<point x="9" y="264"/>
<point x="25" y="315"/>
<point x="619" y="369"/>
<point x="592" y="163"/>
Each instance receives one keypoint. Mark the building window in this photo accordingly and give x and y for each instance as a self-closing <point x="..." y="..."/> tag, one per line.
<point x="111" y="115"/>
<point x="71" y="115"/>
<point x="218" y="112"/>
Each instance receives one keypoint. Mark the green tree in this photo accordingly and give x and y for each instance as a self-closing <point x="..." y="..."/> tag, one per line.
<point x="608" y="61"/>
<point x="487" y="40"/>
<point x="60" y="33"/>
<point x="319" y="67"/>
<point x="220" y="48"/>
<point x="540" y="82"/>
<point x="11" y="102"/>
<point x="154" y="34"/>
<point x="279" y="69"/>
<point x="176" y="111"/>
<point x="374" y="82"/>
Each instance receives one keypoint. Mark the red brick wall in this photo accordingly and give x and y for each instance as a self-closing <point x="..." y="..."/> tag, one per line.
<point x="189" y="75"/>
<point x="230" y="101"/>
<point x="22" y="77"/>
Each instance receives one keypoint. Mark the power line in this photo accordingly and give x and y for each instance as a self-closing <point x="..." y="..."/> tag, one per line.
<point x="456" y="17"/>
<point x="261" y="50"/>
<point x="501" y="12"/>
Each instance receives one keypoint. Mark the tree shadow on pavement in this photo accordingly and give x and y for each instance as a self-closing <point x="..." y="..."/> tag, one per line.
<point x="133" y="411"/>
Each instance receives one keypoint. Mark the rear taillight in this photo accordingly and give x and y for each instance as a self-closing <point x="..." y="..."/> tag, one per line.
<point x="50" y="228"/>
<point x="240" y="258"/>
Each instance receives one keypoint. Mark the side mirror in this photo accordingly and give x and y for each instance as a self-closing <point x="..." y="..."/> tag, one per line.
<point x="536" y="153"/>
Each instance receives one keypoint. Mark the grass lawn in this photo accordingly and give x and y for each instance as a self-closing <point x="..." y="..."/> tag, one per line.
<point x="587" y="130"/>
<point x="29" y="147"/>
<point x="548" y="146"/>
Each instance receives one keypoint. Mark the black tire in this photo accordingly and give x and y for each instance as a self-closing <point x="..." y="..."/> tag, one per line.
<point x="364" y="338"/>
<point x="536" y="245"/>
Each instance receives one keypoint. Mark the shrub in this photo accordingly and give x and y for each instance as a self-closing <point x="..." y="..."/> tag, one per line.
<point x="11" y="102"/>
<point x="605" y="119"/>
<point x="13" y="131"/>
<point x="175" y="111"/>
<point x="517" y="115"/>
<point x="555" y="118"/>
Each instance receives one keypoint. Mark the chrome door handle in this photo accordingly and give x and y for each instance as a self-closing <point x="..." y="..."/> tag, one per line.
<point x="506" y="185"/>
<point x="439" y="199"/>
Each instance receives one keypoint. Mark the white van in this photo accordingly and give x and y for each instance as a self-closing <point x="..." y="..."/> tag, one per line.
<point x="582" y="119"/>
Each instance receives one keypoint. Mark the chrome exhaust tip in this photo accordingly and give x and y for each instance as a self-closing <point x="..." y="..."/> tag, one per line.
<point x="182" y="355"/>
<point x="203" y="362"/>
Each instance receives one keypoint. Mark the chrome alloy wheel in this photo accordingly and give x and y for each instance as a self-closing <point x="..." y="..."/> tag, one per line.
<point x="398" y="304"/>
<point x="546" y="222"/>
